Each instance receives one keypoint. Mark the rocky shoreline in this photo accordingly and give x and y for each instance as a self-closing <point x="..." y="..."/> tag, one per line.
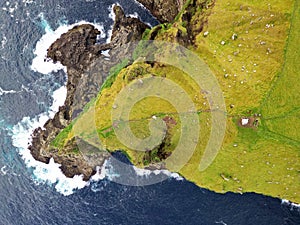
<point x="164" y="11"/>
<point x="87" y="68"/>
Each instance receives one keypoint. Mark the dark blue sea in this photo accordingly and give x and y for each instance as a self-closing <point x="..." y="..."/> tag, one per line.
<point x="39" y="195"/>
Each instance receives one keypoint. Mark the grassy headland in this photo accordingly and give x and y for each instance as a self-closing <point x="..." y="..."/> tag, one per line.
<point x="252" y="47"/>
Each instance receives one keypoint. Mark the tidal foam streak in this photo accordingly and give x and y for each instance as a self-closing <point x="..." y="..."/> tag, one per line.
<point x="3" y="92"/>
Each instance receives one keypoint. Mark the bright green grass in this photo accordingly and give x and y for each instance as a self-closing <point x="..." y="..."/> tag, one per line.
<point x="282" y="104"/>
<point x="114" y="71"/>
<point x="245" y="62"/>
<point x="60" y="139"/>
<point x="263" y="161"/>
<point x="284" y="96"/>
<point x="261" y="68"/>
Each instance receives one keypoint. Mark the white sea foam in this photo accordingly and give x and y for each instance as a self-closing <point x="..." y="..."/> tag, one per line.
<point x="134" y="15"/>
<point x="3" y="42"/>
<point x="142" y="172"/>
<point x="44" y="173"/>
<point x="291" y="204"/>
<point x="101" y="172"/>
<point x="112" y="16"/>
<point x="21" y="133"/>
<point x="40" y="63"/>
<point x="106" y="53"/>
<point x="109" y="34"/>
<point x="108" y="171"/>
<point x="27" y="1"/>
<point x="4" y="170"/>
<point x="146" y="172"/>
<point x="141" y="5"/>
<point x="59" y="97"/>
<point x="47" y="173"/>
<point x="3" y="92"/>
<point x="10" y="8"/>
<point x="176" y="176"/>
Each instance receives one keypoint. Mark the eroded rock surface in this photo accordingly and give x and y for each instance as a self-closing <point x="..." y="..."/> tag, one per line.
<point x="87" y="68"/>
<point x="163" y="10"/>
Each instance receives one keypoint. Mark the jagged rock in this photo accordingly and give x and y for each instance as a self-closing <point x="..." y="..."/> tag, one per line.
<point x="163" y="10"/>
<point x="125" y="25"/>
<point x="86" y="68"/>
<point x="76" y="48"/>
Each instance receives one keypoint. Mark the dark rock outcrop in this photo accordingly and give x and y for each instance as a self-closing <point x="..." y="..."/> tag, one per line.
<point x="86" y="68"/>
<point x="163" y="10"/>
<point x="75" y="48"/>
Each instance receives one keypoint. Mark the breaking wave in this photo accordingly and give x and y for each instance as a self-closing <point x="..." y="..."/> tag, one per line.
<point x="44" y="173"/>
<point x="291" y="204"/>
<point x="41" y="63"/>
<point x="21" y="133"/>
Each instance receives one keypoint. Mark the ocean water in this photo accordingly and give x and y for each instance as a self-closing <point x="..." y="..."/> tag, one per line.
<point x="31" y="91"/>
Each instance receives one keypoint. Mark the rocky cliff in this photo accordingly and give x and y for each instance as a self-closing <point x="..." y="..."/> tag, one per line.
<point x="164" y="11"/>
<point x="222" y="34"/>
<point x="87" y="67"/>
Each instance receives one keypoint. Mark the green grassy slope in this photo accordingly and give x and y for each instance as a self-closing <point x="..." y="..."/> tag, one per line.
<point x="257" y="71"/>
<point x="282" y="104"/>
